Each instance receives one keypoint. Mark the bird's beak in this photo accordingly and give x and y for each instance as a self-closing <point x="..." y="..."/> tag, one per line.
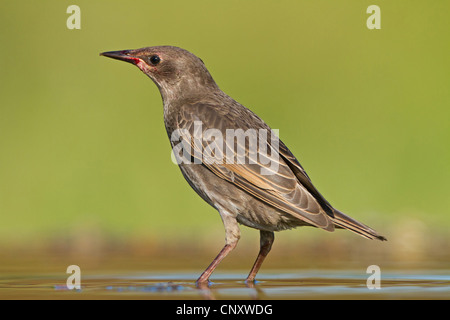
<point x="124" y="55"/>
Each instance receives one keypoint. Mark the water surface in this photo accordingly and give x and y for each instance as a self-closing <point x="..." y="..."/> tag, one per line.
<point x="295" y="284"/>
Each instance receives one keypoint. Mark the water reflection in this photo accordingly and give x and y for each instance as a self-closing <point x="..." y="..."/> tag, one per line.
<point x="330" y="284"/>
<point x="301" y="285"/>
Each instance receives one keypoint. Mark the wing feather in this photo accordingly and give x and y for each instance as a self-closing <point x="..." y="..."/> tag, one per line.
<point x="288" y="188"/>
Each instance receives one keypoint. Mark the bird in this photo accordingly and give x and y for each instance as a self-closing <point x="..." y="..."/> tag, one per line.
<point x="268" y="192"/>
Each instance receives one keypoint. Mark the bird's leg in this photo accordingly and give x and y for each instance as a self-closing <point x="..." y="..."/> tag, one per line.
<point x="232" y="237"/>
<point x="266" y="241"/>
<point x="222" y="254"/>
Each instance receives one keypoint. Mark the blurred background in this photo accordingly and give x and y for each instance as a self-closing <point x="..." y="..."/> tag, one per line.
<point x="85" y="170"/>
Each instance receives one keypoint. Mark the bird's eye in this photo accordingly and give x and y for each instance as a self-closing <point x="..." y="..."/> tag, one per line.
<point x="154" y="60"/>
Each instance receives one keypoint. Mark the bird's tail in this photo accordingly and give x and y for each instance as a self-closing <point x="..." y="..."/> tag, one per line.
<point x="343" y="221"/>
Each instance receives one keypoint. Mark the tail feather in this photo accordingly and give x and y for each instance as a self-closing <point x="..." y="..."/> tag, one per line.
<point x="343" y="221"/>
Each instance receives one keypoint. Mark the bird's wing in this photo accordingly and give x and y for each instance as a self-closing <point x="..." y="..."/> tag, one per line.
<point x="303" y="177"/>
<point x="268" y="178"/>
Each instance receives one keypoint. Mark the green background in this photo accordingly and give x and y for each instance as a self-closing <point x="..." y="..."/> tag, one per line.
<point x="83" y="149"/>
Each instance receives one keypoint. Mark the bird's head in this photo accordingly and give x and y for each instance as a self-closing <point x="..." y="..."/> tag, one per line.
<point x="175" y="71"/>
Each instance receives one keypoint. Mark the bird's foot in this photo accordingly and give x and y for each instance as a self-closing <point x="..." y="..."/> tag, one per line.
<point x="202" y="283"/>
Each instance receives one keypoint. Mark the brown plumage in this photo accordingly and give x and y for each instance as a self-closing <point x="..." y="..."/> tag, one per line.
<point x="282" y="198"/>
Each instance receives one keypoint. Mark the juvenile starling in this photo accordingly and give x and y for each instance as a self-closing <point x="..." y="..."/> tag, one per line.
<point x="266" y="191"/>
